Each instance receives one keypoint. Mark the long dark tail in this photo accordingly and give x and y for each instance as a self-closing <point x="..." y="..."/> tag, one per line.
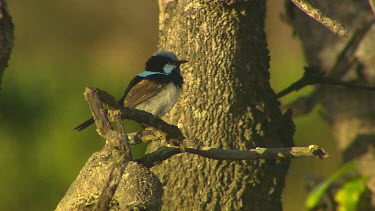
<point x="85" y="124"/>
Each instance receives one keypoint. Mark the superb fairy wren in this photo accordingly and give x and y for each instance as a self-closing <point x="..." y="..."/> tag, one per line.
<point x="155" y="90"/>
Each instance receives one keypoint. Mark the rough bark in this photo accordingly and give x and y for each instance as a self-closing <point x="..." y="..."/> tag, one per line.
<point x="6" y="37"/>
<point x="226" y="102"/>
<point x="139" y="187"/>
<point x="109" y="180"/>
<point x="350" y="113"/>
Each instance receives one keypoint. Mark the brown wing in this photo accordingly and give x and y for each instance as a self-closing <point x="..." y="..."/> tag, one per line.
<point x="142" y="91"/>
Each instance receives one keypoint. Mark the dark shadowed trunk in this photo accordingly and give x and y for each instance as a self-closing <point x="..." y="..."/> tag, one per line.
<point x="226" y="102"/>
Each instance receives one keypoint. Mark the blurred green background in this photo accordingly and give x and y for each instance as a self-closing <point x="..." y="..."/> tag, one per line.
<point x="63" y="46"/>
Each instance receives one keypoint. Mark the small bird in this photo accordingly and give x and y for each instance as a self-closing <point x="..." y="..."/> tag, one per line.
<point x="155" y="90"/>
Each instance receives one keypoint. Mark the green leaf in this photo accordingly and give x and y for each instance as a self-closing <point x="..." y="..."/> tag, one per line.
<point x="316" y="194"/>
<point x="347" y="197"/>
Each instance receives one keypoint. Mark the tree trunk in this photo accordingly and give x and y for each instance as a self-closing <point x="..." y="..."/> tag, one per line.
<point x="6" y="37"/>
<point x="351" y="113"/>
<point x="226" y="102"/>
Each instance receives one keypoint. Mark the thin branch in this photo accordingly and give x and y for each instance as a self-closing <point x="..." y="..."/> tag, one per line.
<point x="346" y="56"/>
<point x="335" y="26"/>
<point x="334" y="82"/>
<point x="314" y="76"/>
<point x="343" y="63"/>
<point x="310" y="76"/>
<point x="165" y="152"/>
<point x="172" y="131"/>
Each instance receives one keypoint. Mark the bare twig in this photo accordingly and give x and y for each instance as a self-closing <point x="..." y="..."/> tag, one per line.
<point x="313" y="76"/>
<point x="334" y="82"/>
<point x="343" y="63"/>
<point x="346" y="56"/>
<point x="310" y="76"/>
<point x="172" y="131"/>
<point x="163" y="153"/>
<point x="335" y="26"/>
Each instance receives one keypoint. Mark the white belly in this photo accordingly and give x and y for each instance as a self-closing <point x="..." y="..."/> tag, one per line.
<point x="161" y="103"/>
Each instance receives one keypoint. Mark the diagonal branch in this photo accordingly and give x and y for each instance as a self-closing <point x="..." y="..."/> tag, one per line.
<point x="310" y="76"/>
<point x="344" y="61"/>
<point x="143" y="117"/>
<point x="165" y="152"/>
<point x="335" y="26"/>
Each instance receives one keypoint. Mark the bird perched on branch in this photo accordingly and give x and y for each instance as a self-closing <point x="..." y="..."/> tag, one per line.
<point x="155" y="90"/>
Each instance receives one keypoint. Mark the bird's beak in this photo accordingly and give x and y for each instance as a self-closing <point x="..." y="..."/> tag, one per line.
<point x="182" y="61"/>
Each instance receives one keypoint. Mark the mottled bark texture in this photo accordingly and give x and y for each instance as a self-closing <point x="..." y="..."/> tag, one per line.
<point x="109" y="180"/>
<point x="226" y="102"/>
<point x="350" y="113"/>
<point x="6" y="37"/>
<point x="139" y="187"/>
